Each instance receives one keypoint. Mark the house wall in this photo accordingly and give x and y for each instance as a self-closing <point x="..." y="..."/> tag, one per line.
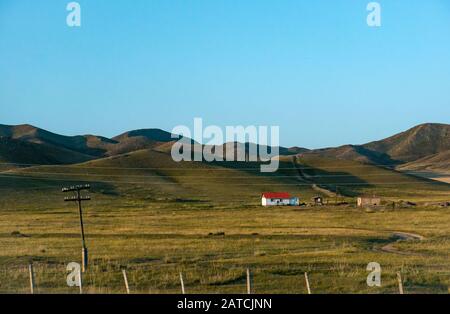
<point x="275" y="201"/>
<point x="363" y="201"/>
<point x="295" y="201"/>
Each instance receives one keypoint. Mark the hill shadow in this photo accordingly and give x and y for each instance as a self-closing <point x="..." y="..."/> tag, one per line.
<point x="340" y="182"/>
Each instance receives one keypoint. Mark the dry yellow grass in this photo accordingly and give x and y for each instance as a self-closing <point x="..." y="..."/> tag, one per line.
<point x="212" y="229"/>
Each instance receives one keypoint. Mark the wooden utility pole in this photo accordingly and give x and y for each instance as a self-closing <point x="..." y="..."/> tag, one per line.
<point x="79" y="198"/>
<point x="249" y="282"/>
<point x="31" y="272"/>
<point x="308" y="288"/>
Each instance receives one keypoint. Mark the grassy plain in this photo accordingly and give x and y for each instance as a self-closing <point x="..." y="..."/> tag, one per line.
<point x="155" y="220"/>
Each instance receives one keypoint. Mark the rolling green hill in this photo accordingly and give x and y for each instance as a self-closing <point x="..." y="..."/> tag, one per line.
<point x="151" y="174"/>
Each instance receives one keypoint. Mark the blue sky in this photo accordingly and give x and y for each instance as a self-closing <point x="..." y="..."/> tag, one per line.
<point x="312" y="67"/>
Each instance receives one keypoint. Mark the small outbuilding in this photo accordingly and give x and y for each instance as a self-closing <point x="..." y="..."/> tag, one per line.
<point x="364" y="201"/>
<point x="279" y="199"/>
<point x="318" y="200"/>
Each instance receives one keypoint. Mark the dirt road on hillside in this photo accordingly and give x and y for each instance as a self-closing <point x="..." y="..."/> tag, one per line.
<point x="401" y="236"/>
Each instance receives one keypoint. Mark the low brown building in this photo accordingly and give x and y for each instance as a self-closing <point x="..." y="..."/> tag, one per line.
<point x="368" y="201"/>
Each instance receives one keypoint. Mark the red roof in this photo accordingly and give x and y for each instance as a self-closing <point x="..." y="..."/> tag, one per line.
<point x="276" y="195"/>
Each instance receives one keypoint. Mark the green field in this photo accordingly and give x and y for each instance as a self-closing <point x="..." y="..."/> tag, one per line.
<point x="157" y="218"/>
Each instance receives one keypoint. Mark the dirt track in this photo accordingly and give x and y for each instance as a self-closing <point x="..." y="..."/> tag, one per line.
<point x="401" y="236"/>
<point x="303" y="177"/>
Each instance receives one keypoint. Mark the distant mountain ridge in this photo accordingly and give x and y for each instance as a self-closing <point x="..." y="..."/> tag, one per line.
<point x="23" y="145"/>
<point x="416" y="143"/>
<point x="26" y="144"/>
<point x="87" y="145"/>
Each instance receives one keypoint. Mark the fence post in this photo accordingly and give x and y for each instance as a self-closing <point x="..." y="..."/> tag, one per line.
<point x="308" y="288"/>
<point x="400" y="283"/>
<point x="81" y="281"/>
<point x="31" y="272"/>
<point x="127" y="287"/>
<point x="249" y="282"/>
<point x="182" y="284"/>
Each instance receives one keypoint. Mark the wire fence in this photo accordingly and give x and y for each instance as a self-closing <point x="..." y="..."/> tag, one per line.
<point x="44" y="279"/>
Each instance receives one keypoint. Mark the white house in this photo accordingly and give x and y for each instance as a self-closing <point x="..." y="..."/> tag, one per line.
<point x="278" y="199"/>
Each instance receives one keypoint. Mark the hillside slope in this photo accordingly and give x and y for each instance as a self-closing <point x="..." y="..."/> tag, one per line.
<point x="140" y="139"/>
<point x="351" y="178"/>
<point x="424" y="147"/>
<point x="355" y="153"/>
<point x="45" y="147"/>
<point x="88" y="145"/>
<point x="31" y="145"/>
<point x="151" y="174"/>
<point x="439" y="162"/>
<point x="416" y="143"/>
<point x="16" y="153"/>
